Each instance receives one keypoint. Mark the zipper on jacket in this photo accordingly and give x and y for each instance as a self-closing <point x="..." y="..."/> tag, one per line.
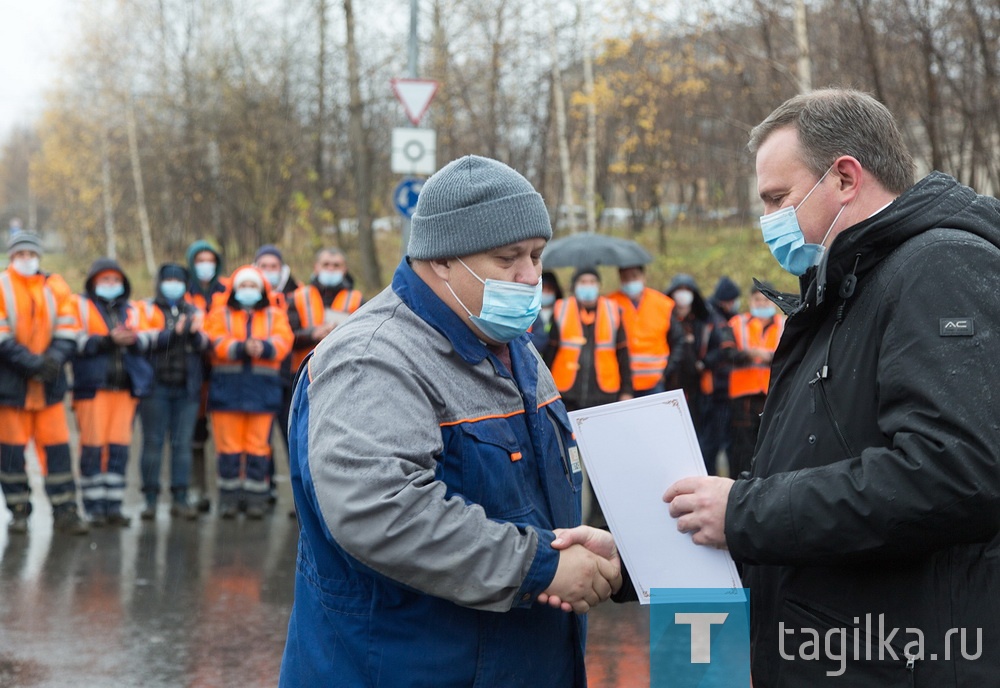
<point x="844" y="444"/>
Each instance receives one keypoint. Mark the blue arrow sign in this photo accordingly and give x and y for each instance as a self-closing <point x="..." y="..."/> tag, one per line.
<point x="405" y="196"/>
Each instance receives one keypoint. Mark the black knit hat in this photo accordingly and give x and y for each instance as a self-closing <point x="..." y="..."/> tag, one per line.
<point x="269" y="250"/>
<point x="726" y="290"/>
<point x="580" y="272"/>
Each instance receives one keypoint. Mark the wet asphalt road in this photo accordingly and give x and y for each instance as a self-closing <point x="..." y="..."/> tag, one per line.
<point x="173" y="603"/>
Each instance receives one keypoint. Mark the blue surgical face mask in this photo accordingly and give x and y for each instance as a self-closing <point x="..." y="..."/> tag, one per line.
<point x="509" y="308"/>
<point x="763" y="312"/>
<point x="633" y="289"/>
<point x="548" y="299"/>
<point x="248" y="296"/>
<point x="204" y="270"/>
<point x="109" y="292"/>
<point x="586" y="293"/>
<point x="172" y="290"/>
<point x="330" y="278"/>
<point x="272" y="277"/>
<point x="784" y="237"/>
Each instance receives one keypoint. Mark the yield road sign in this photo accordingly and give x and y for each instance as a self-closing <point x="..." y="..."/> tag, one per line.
<point x="405" y="196"/>
<point x="415" y="95"/>
<point x="413" y="151"/>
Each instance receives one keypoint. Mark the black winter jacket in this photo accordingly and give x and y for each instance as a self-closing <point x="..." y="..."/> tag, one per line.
<point x="875" y="485"/>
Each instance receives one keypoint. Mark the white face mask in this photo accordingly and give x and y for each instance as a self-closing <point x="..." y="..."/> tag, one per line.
<point x="25" y="266"/>
<point x="683" y="297"/>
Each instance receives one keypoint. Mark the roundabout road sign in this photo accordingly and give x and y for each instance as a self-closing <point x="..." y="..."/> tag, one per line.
<point x="405" y="196"/>
<point x="413" y="151"/>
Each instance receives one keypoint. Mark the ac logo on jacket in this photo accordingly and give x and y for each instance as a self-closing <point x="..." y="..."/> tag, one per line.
<point x="957" y="327"/>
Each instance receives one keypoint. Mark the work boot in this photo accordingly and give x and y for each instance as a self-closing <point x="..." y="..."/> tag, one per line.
<point x="19" y="519"/>
<point x="183" y="510"/>
<point x="149" y="513"/>
<point x="68" y="521"/>
<point x="255" y="512"/>
<point x="117" y="518"/>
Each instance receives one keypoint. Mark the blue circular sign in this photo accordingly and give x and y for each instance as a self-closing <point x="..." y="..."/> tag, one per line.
<point x="405" y="196"/>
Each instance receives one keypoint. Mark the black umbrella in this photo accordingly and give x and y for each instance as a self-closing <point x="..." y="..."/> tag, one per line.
<point x="590" y="250"/>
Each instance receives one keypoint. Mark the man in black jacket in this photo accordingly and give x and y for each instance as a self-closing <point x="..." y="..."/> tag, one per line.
<point x="868" y="527"/>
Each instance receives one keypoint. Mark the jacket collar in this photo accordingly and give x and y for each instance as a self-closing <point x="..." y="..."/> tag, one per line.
<point x="419" y="297"/>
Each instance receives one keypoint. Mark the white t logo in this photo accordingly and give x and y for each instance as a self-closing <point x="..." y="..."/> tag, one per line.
<point x="701" y="633"/>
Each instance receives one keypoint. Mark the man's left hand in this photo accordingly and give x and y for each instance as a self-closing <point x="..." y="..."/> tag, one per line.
<point x="699" y="505"/>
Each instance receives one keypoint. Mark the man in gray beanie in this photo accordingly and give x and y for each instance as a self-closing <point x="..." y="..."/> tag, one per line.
<point x="433" y="463"/>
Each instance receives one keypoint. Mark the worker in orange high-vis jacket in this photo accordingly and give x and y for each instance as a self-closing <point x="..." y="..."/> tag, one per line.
<point x="282" y="285"/>
<point x="652" y="333"/>
<point x="318" y="307"/>
<point x="249" y="338"/>
<point x="37" y="336"/>
<point x="588" y="357"/>
<point x="588" y="348"/>
<point x="755" y="336"/>
<point x="110" y="374"/>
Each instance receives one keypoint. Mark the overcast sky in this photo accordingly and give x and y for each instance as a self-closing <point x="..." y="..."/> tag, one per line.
<point x="33" y="33"/>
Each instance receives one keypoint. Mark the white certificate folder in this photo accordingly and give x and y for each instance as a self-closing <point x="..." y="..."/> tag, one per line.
<point x="632" y="452"/>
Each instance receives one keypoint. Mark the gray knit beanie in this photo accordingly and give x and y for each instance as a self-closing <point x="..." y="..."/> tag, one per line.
<point x="475" y="204"/>
<point x="24" y="241"/>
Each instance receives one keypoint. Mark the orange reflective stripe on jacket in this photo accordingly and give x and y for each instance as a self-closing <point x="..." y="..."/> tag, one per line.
<point x="572" y="341"/>
<point x="309" y="305"/>
<point x="751" y="333"/>
<point x="646" y="328"/>
<point x="35" y="310"/>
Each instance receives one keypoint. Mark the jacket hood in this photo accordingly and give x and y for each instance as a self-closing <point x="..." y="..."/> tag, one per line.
<point x="686" y="281"/>
<point x="937" y="200"/>
<point x="204" y="245"/>
<point x="229" y="295"/>
<point x="101" y="265"/>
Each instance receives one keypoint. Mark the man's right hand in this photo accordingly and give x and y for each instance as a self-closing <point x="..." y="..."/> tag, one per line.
<point x="583" y="579"/>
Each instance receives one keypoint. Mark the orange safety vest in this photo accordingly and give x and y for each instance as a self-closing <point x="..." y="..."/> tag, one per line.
<point x="309" y="305"/>
<point x="646" y="328"/>
<point x="572" y="341"/>
<point x="34" y="310"/>
<point x="752" y="333"/>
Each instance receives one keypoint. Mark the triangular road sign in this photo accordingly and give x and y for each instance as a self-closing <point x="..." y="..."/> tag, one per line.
<point x="415" y="95"/>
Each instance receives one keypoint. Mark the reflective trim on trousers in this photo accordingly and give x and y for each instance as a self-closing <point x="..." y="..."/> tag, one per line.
<point x="17" y="497"/>
<point x="13" y="477"/>
<point x="256" y="486"/>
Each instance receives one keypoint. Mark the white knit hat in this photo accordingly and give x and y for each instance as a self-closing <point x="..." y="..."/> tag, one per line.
<point x="248" y="275"/>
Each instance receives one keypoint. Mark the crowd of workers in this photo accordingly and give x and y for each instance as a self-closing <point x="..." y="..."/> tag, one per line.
<point x="638" y="341"/>
<point x="208" y="352"/>
<point x="212" y="353"/>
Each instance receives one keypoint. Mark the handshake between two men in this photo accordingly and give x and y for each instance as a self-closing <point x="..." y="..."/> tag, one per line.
<point x="590" y="570"/>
